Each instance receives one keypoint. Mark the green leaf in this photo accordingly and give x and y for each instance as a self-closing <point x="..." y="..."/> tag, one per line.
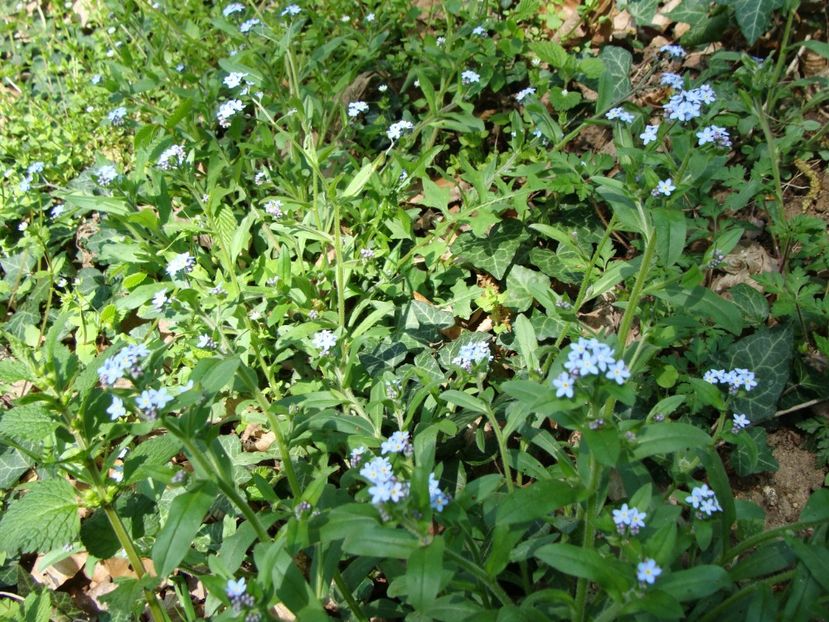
<point x="29" y="422"/>
<point x="642" y="10"/>
<point x="534" y="501"/>
<point x="464" y="400"/>
<point x="183" y="523"/>
<point x="752" y="454"/>
<point x="526" y="342"/>
<point x="37" y="607"/>
<point x="362" y="177"/>
<point x="671" y="229"/>
<point x="816" y="559"/>
<point x="753" y="16"/>
<point x="522" y="285"/>
<point x="694" y="583"/>
<point x="13" y="371"/>
<point x="668" y="437"/>
<point x="495" y="252"/>
<point x="423" y="574"/>
<point x="614" y="83"/>
<point x="818" y="47"/>
<point x="550" y="52"/>
<point x="576" y="561"/>
<point x="702" y="301"/>
<point x="13" y="464"/>
<point x="378" y="541"/>
<point x="752" y="303"/>
<point x="219" y="375"/>
<point x="54" y="505"/>
<point x="151" y="453"/>
<point x="108" y="205"/>
<point x="817" y="507"/>
<point x="424" y="321"/>
<point x="691" y="12"/>
<point x="137" y="512"/>
<point x="768" y="353"/>
<point x="241" y="237"/>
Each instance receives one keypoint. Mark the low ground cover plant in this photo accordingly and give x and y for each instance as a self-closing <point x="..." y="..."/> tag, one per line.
<point x="445" y="311"/>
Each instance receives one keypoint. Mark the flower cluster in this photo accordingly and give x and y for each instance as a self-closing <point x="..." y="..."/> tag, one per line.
<point x="172" y="157"/>
<point x="673" y="80"/>
<point x="714" y="134"/>
<point x="324" y="341"/>
<point x="589" y="357"/>
<point x="480" y="31"/>
<point x="233" y="7"/>
<point x="470" y="77"/>
<point x="396" y="130"/>
<point x="117" y="115"/>
<point x="290" y="10"/>
<point x="227" y="110"/>
<point x="126" y="361"/>
<point x="649" y="135"/>
<point x="740" y="422"/>
<point x="106" y="174"/>
<point x="672" y="50"/>
<point x="234" y="79"/>
<point x="665" y="187"/>
<point x="160" y="299"/>
<point x="248" y="25"/>
<point x="116" y="409"/>
<point x="621" y="114"/>
<point x="398" y="443"/>
<point x="237" y="592"/>
<point x="647" y="571"/>
<point x="628" y="518"/>
<point x="704" y="501"/>
<point x="183" y="262"/>
<point x="150" y="401"/>
<point x="206" y="342"/>
<point x="274" y="208"/>
<point x="471" y="354"/>
<point x="523" y="94"/>
<point x="385" y="486"/>
<point x="355" y="109"/>
<point x="735" y="379"/>
<point x="34" y="169"/>
<point x="686" y="105"/>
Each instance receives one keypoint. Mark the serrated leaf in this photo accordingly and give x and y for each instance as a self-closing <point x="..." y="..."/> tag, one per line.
<point x="614" y="83"/>
<point x="753" y="16"/>
<point x="495" y="252"/>
<point x="13" y="371"/>
<point x="183" y="523"/>
<point x="550" y="52"/>
<point x="29" y="422"/>
<point x="58" y="523"/>
<point x="768" y="353"/>
<point x="13" y="464"/>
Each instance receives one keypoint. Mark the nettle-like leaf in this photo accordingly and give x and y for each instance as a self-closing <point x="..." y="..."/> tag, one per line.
<point x="768" y="353"/>
<point x="495" y="252"/>
<point x="29" y="422"/>
<point x="45" y="518"/>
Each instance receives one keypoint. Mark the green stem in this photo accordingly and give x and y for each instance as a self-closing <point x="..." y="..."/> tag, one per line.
<point x="781" y="59"/>
<point x="482" y="576"/>
<point x="774" y="159"/>
<point x="349" y="597"/>
<point x="759" y="538"/>
<point x="636" y="293"/>
<point x="338" y="254"/>
<point x="502" y="446"/>
<point x="587" y="537"/>
<point x="739" y="595"/>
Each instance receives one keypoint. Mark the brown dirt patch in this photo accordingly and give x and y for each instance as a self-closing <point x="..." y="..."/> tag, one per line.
<point x="783" y="494"/>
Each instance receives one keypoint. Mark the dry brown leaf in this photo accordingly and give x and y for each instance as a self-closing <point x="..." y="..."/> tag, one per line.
<point x="60" y="572"/>
<point x="740" y="264"/>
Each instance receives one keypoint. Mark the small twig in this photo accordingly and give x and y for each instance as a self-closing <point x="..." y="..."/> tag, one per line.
<point x="797" y="407"/>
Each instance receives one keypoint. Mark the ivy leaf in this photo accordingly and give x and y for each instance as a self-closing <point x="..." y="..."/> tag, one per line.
<point x="522" y="285"/>
<point x="614" y="83"/>
<point x="691" y="12"/>
<point x="13" y="464"/>
<point x="753" y="17"/>
<point x="495" y="252"/>
<point x="45" y="518"/>
<point x="752" y="453"/>
<point x="425" y="321"/>
<point x="753" y="304"/>
<point x="768" y="353"/>
<point x="642" y="10"/>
